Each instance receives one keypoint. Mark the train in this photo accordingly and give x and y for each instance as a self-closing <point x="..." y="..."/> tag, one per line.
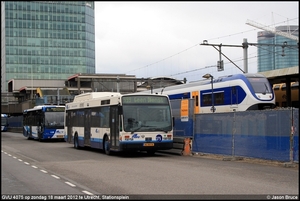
<point x="230" y="93"/>
<point x="280" y="94"/>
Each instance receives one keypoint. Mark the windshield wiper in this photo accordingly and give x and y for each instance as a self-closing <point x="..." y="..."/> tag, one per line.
<point x="266" y="90"/>
<point x="136" y="130"/>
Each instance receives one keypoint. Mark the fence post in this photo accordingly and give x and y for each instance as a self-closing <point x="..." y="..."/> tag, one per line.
<point x="233" y="133"/>
<point x="292" y="138"/>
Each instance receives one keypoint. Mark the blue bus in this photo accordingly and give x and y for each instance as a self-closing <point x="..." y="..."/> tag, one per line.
<point x="44" y="122"/>
<point x="4" y="122"/>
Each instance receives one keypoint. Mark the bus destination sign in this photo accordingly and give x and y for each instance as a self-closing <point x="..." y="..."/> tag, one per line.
<point x="144" y="100"/>
<point x="55" y="109"/>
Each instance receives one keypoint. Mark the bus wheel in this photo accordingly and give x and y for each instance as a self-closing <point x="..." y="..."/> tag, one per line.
<point x="106" y="146"/>
<point x="76" y="145"/>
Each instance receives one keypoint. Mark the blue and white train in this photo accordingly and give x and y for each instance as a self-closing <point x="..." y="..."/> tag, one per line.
<point x="239" y="92"/>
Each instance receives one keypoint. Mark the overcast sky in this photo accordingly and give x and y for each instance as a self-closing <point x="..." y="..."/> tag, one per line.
<point x="151" y="39"/>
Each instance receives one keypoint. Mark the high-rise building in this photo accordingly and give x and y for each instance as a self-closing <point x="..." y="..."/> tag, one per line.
<point x="276" y="51"/>
<point x="46" y="39"/>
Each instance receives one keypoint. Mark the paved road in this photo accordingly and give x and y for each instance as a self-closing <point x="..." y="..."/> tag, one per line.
<point x="137" y="174"/>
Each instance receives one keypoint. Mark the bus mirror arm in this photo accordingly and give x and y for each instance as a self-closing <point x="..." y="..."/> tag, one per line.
<point x="173" y="118"/>
<point x="120" y="110"/>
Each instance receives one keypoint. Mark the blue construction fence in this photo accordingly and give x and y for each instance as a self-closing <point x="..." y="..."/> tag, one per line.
<point x="261" y="134"/>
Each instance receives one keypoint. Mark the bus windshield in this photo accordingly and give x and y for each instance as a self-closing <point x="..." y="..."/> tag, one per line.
<point x="4" y="121"/>
<point x="54" y="119"/>
<point x="147" y="117"/>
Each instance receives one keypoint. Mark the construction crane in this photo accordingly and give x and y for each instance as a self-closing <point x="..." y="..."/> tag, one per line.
<point x="260" y="26"/>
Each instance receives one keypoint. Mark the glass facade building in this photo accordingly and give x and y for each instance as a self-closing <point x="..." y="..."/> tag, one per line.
<point x="276" y="51"/>
<point x="265" y="52"/>
<point x="46" y="39"/>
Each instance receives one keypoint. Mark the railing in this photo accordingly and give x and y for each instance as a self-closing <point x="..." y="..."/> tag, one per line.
<point x="14" y="107"/>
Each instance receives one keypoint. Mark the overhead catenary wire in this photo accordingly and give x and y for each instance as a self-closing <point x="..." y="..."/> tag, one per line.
<point x="193" y="46"/>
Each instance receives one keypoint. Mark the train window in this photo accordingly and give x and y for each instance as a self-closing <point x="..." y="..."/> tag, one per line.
<point x="276" y="87"/>
<point x="295" y="85"/>
<point x="260" y="85"/>
<point x="283" y="87"/>
<point x="219" y="98"/>
<point x="206" y="99"/>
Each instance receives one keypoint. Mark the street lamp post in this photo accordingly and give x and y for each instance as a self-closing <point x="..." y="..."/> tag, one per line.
<point x="213" y="109"/>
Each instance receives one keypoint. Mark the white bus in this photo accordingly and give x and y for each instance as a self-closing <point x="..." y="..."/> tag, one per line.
<point x="119" y="122"/>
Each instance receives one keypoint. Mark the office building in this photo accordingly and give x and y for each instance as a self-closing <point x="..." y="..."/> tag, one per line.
<point x="276" y="51"/>
<point x="43" y="40"/>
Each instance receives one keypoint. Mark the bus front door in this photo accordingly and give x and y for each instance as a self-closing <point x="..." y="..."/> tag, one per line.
<point x="87" y="127"/>
<point x="114" y="127"/>
<point x="69" y="125"/>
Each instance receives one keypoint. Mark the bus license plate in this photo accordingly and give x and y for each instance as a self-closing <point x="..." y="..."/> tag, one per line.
<point x="148" y="144"/>
<point x="59" y="136"/>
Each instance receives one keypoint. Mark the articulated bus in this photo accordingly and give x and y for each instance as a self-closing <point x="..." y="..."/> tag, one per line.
<point x="44" y="122"/>
<point x="4" y="122"/>
<point x="115" y="122"/>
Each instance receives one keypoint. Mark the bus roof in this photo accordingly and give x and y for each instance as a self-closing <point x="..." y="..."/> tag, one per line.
<point x="39" y="107"/>
<point x="93" y="95"/>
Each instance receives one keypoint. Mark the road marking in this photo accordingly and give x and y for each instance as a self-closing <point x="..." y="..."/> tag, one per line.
<point x="44" y="171"/>
<point x="56" y="177"/>
<point x="86" y="192"/>
<point x="70" y="184"/>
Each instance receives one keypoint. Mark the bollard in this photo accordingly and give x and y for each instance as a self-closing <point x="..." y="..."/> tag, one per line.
<point x="187" y="147"/>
